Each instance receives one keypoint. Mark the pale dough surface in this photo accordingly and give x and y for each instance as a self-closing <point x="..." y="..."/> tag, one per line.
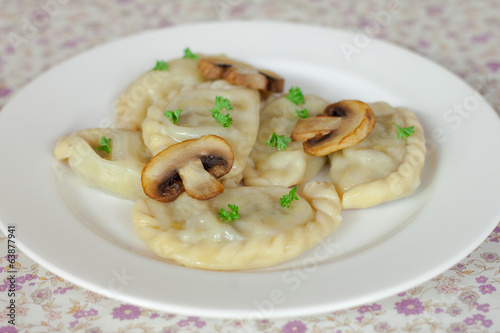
<point x="196" y="120"/>
<point x="190" y="232"/>
<point x="118" y="172"/>
<point x="381" y="167"/>
<point x="288" y="167"/>
<point x="151" y="86"/>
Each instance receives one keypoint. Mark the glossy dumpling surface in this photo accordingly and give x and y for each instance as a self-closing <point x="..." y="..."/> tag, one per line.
<point x="196" y="120"/>
<point x="381" y="167"/>
<point x="118" y="172"/>
<point x="190" y="232"/>
<point x="288" y="167"/>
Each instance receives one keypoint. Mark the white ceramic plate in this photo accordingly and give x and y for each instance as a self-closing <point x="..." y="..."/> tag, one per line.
<point x="86" y="236"/>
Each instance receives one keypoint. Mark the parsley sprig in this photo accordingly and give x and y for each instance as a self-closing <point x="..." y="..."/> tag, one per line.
<point x="160" y="66"/>
<point x="302" y="113"/>
<point x="189" y="55"/>
<point x="104" y="144"/>
<point x="280" y="142"/>
<point x="222" y="103"/>
<point x="173" y="115"/>
<point x="288" y="198"/>
<point x="295" y="95"/>
<point x="229" y="215"/>
<point x="404" y="132"/>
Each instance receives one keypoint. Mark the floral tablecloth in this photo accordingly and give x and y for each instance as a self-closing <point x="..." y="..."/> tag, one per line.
<point x="461" y="36"/>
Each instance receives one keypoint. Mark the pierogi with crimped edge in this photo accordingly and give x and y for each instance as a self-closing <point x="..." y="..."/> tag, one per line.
<point x="291" y="166"/>
<point x="190" y="232"/>
<point x="117" y="172"/>
<point x="381" y="167"/>
<point x="196" y="120"/>
<point x="132" y="105"/>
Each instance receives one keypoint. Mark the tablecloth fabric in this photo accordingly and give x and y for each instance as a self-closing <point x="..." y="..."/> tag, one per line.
<point x="461" y="36"/>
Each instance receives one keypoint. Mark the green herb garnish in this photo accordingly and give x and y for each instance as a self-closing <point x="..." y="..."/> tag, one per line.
<point x="104" y="144"/>
<point x="173" y="115"/>
<point x="222" y="103"/>
<point x="189" y="55"/>
<point x="229" y="216"/>
<point x="160" y="66"/>
<point x="404" y="132"/>
<point x="295" y="95"/>
<point x="302" y="113"/>
<point x="288" y="198"/>
<point x="280" y="142"/>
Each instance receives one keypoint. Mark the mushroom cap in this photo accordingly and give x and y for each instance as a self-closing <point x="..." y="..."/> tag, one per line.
<point x="342" y="124"/>
<point x="240" y="73"/>
<point x="192" y="165"/>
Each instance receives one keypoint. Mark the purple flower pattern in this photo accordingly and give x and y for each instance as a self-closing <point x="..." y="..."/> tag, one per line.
<point x="126" y="311"/>
<point x="482" y="307"/>
<point x="8" y="329"/>
<point x="481" y="279"/>
<point x="4" y="91"/>
<point x="191" y="320"/>
<point x="409" y="306"/>
<point x="367" y="308"/>
<point x="295" y="326"/>
<point x="490" y="257"/>
<point x="478" y="319"/>
<point x="487" y="289"/>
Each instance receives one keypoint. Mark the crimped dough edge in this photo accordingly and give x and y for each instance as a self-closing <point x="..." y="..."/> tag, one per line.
<point x="400" y="183"/>
<point x="254" y="253"/>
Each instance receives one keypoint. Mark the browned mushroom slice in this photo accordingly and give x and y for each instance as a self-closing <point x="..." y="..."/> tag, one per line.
<point x="213" y="68"/>
<point x="342" y="125"/>
<point x="191" y="165"/>
<point x="314" y="128"/>
<point x="240" y="73"/>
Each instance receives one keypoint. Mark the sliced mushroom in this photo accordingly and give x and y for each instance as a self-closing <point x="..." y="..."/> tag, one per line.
<point x="240" y="73"/>
<point x="192" y="165"/>
<point x="341" y="125"/>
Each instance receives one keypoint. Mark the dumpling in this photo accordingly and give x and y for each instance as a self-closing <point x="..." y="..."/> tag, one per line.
<point x="381" y="167"/>
<point x="190" y="232"/>
<point x="291" y="166"/>
<point x="196" y="120"/>
<point x="134" y="101"/>
<point x="117" y="172"/>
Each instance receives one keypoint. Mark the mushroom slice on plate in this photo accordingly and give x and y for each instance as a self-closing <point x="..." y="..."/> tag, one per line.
<point x="241" y="74"/>
<point x="342" y="125"/>
<point x="192" y="165"/>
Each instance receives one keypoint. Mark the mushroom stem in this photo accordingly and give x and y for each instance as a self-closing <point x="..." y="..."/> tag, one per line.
<point x="198" y="182"/>
<point x="192" y="165"/>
